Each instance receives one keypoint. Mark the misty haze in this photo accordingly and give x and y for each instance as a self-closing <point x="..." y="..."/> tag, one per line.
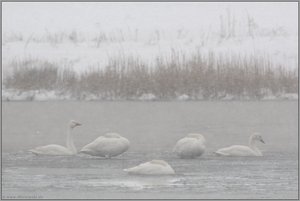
<point x="150" y="100"/>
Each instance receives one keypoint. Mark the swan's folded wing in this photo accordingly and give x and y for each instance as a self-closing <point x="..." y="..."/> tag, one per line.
<point x="51" y="149"/>
<point x="139" y="169"/>
<point x="183" y="143"/>
<point x="222" y="152"/>
<point x="91" y="147"/>
<point x="189" y="146"/>
<point x="149" y="168"/>
<point x="235" y="150"/>
<point x="103" y="146"/>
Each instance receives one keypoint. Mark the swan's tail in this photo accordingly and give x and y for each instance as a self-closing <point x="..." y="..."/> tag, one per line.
<point x="130" y="170"/>
<point x="127" y="170"/>
<point x="34" y="151"/>
<point x="31" y="150"/>
<point x="218" y="153"/>
<point x="83" y="151"/>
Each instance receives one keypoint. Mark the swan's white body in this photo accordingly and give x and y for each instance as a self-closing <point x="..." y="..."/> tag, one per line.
<point x="191" y="146"/>
<point x="52" y="149"/>
<point x="154" y="167"/>
<point x="57" y="150"/>
<point x="241" y="150"/>
<point x="109" y="145"/>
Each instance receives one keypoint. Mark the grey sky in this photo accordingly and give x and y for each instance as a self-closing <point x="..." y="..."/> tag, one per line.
<point x="44" y="16"/>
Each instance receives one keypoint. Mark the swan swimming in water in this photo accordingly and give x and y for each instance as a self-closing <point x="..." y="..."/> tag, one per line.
<point x="54" y="149"/>
<point x="109" y="145"/>
<point x="191" y="146"/>
<point x="154" y="167"/>
<point x="241" y="150"/>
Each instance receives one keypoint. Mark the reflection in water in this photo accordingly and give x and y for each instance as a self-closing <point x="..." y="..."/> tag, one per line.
<point x="135" y="183"/>
<point x="272" y="176"/>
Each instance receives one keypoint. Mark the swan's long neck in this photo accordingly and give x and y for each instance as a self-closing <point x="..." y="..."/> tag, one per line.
<point x="70" y="143"/>
<point x="253" y="146"/>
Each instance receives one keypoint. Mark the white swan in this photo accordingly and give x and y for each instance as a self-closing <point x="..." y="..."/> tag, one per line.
<point x="154" y="167"/>
<point x="54" y="149"/>
<point x="240" y="150"/>
<point x="109" y="145"/>
<point x="191" y="146"/>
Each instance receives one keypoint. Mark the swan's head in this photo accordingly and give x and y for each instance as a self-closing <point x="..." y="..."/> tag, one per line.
<point x="197" y="136"/>
<point x="257" y="137"/>
<point x="73" y="124"/>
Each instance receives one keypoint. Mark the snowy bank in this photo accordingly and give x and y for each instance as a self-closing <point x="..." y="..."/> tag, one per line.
<point x="43" y="95"/>
<point x="33" y="95"/>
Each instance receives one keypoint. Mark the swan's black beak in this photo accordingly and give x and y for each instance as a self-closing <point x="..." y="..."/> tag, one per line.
<point x="262" y="141"/>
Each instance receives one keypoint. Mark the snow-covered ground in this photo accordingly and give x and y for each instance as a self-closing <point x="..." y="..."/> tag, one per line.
<point x="82" y="55"/>
<point x="43" y="95"/>
<point x="90" y="39"/>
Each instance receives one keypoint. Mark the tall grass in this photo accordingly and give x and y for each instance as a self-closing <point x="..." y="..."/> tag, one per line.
<point x="200" y="77"/>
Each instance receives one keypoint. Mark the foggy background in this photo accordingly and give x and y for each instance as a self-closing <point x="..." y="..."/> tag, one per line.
<point x="38" y="17"/>
<point x="150" y="51"/>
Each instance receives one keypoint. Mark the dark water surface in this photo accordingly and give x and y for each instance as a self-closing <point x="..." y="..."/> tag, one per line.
<point x="153" y="129"/>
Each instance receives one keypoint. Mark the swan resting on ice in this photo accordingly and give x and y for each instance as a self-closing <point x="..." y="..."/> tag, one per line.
<point x="241" y="150"/>
<point x="154" y="167"/>
<point x="54" y="149"/>
<point x="191" y="146"/>
<point x="109" y="145"/>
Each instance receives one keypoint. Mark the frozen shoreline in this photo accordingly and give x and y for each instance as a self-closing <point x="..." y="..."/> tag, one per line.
<point x="43" y="95"/>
